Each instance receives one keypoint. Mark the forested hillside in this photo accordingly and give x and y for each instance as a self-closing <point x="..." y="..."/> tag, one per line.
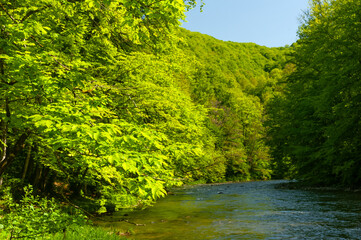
<point x="108" y="104"/>
<point x="316" y="123"/>
<point x="234" y="81"/>
<point x="111" y="102"/>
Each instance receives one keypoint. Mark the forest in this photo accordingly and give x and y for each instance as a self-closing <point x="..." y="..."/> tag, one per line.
<point x="108" y="104"/>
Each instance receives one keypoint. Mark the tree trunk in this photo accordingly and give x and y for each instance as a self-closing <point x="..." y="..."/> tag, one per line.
<point x="44" y="179"/>
<point x="26" y="166"/>
<point x="4" y="132"/>
<point x="38" y="173"/>
<point x="8" y="154"/>
<point x="10" y="157"/>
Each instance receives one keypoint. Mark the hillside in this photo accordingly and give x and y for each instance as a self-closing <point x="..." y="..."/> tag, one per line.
<point x="235" y="81"/>
<point x="111" y="109"/>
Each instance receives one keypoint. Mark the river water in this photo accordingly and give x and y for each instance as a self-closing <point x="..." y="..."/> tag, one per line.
<point x="250" y="210"/>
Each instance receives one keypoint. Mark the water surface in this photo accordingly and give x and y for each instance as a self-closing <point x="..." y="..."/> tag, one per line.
<point x="251" y="210"/>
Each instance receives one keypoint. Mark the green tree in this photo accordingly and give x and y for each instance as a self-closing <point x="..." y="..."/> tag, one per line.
<point x="67" y="96"/>
<point x="320" y="125"/>
<point x="234" y="81"/>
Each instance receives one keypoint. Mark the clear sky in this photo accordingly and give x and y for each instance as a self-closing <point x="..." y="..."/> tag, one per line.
<point x="272" y="23"/>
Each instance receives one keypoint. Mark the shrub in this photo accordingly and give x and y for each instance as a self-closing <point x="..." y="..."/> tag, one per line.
<point x="32" y="216"/>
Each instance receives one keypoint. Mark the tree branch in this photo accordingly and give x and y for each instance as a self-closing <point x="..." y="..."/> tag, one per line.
<point x="31" y="12"/>
<point x="7" y="13"/>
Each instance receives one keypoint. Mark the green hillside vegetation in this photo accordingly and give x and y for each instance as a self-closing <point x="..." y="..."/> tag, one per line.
<point x="234" y="81"/>
<point x="316" y="124"/>
<point x="106" y="105"/>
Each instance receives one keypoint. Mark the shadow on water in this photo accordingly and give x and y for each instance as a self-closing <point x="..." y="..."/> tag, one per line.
<point x="251" y="210"/>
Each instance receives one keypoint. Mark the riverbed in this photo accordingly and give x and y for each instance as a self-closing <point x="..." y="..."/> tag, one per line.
<point x="249" y="210"/>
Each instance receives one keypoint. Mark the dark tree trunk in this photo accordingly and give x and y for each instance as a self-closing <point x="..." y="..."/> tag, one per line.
<point x="9" y="156"/>
<point x="26" y="165"/>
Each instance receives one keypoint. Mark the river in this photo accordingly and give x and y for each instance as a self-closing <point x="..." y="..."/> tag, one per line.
<point x="250" y="210"/>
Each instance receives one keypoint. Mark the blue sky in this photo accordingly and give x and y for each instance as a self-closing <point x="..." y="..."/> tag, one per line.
<point x="272" y="23"/>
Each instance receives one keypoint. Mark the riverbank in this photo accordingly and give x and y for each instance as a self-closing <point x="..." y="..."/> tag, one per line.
<point x="32" y="217"/>
<point x="86" y="232"/>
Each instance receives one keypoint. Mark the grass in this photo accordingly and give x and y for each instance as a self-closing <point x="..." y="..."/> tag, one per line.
<point x="87" y="232"/>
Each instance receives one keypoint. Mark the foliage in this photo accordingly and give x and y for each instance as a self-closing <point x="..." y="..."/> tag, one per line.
<point x="111" y="103"/>
<point x="74" y="98"/>
<point x="34" y="217"/>
<point x="235" y="81"/>
<point x="319" y="128"/>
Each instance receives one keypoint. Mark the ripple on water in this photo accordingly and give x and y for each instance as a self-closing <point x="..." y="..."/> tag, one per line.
<point x="251" y="210"/>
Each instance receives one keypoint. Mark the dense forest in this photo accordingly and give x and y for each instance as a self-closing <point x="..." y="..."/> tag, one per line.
<point x="316" y="121"/>
<point x="108" y="104"/>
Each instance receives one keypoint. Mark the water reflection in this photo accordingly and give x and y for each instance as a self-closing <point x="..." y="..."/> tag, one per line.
<point x="253" y="210"/>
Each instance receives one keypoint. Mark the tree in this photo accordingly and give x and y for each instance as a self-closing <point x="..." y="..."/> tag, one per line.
<point x="320" y="126"/>
<point x="64" y="88"/>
